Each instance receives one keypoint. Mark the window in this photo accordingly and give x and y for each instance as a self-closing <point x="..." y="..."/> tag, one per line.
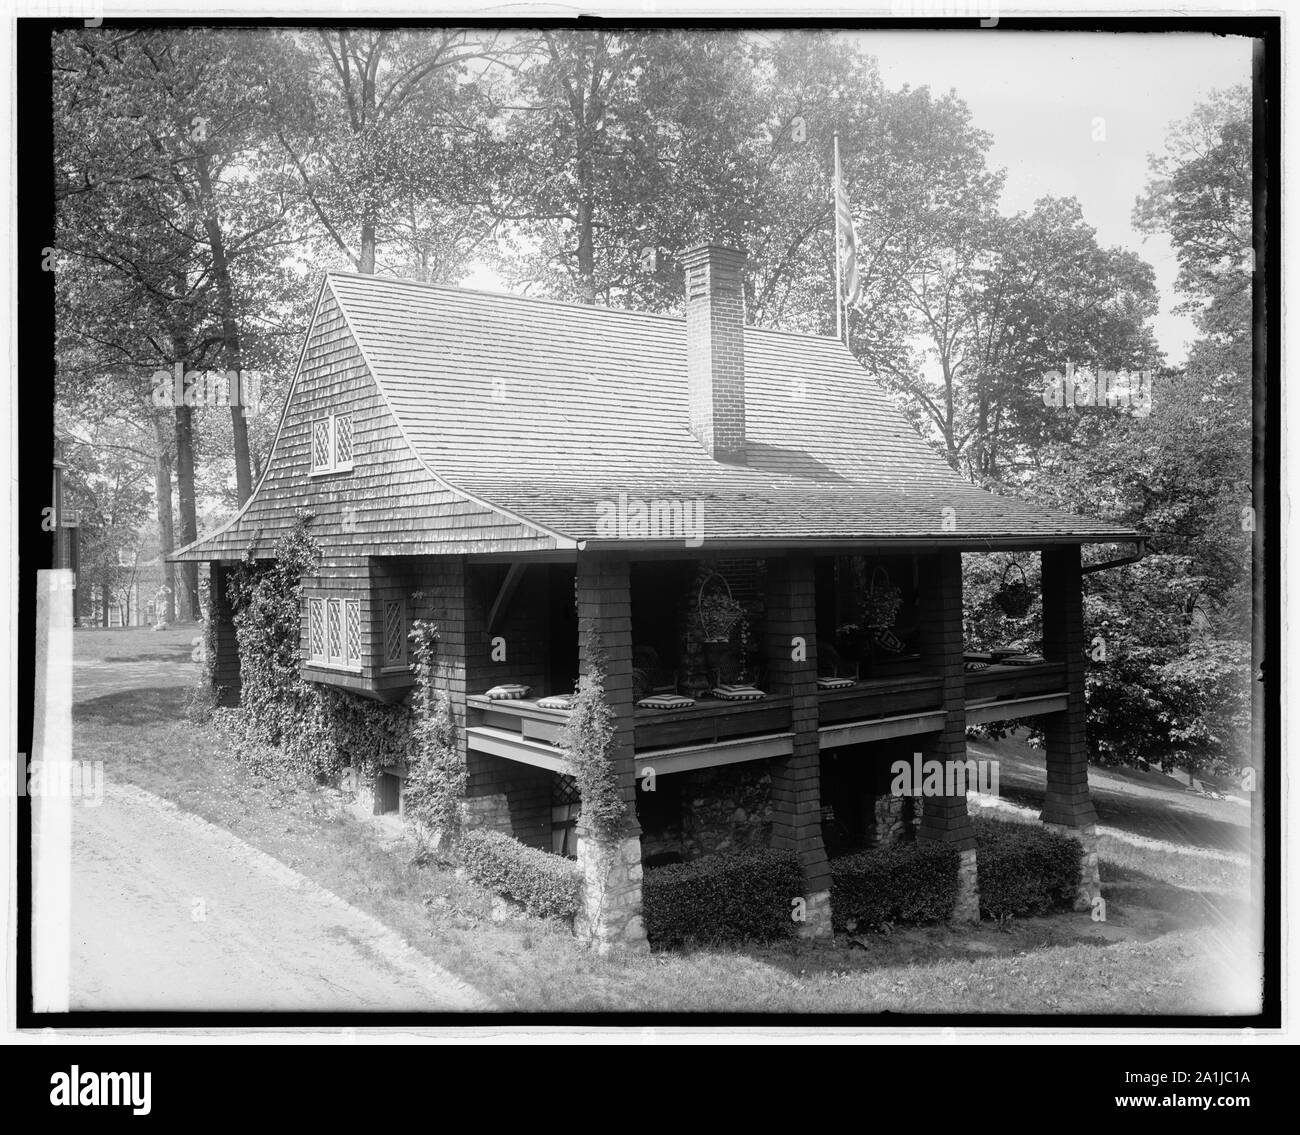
<point x="334" y="631"/>
<point x="566" y="804"/>
<point x="394" y="633"/>
<point x="316" y="628"/>
<point x="331" y="444"/>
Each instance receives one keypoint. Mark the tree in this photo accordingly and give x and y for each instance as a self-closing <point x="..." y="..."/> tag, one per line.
<point x="102" y="484"/>
<point x="1199" y="193"/>
<point x="1012" y="299"/>
<point x="619" y="152"/>
<point x="161" y="133"/>
<point x="371" y="121"/>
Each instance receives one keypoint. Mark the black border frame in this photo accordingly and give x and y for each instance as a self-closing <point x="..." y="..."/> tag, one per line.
<point x="35" y="382"/>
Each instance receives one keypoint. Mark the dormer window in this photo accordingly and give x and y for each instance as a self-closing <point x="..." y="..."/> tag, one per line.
<point x="331" y="444"/>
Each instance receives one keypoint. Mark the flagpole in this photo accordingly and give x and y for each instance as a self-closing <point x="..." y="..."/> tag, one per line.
<point x="835" y="239"/>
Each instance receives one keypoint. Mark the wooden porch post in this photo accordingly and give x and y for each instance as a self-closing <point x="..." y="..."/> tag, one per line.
<point x="944" y="819"/>
<point x="1068" y="803"/>
<point x="611" y="907"/>
<point x="796" y="779"/>
<point x="223" y="667"/>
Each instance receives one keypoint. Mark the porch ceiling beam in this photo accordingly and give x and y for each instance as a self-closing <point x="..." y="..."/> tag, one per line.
<point x="513" y="747"/>
<point x="880" y="729"/>
<point x="688" y="757"/>
<point x="501" y="603"/>
<point x="977" y="714"/>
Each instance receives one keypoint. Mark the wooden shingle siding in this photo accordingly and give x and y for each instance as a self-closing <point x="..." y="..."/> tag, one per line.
<point x="523" y="631"/>
<point x="388" y="504"/>
<point x="1067" y="800"/>
<point x="796" y="779"/>
<point x="944" y="818"/>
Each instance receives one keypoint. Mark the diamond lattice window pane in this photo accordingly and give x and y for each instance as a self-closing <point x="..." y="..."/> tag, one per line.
<point x="353" y="607"/>
<point x="316" y="627"/>
<point x="394" y="639"/>
<point x="335" y="631"/>
<point x="343" y="439"/>
<point x="320" y="452"/>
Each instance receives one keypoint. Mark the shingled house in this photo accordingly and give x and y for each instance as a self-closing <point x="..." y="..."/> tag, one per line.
<point x="770" y="553"/>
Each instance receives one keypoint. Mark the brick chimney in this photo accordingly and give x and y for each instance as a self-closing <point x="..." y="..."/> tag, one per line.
<point x="715" y="349"/>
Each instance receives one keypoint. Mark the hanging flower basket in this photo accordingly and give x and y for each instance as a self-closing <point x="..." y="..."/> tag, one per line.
<point x="1015" y="596"/>
<point x="881" y="602"/>
<point x="719" y="611"/>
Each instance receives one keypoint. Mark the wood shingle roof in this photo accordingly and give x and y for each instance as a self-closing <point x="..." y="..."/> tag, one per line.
<point x="552" y="410"/>
<point x="523" y="423"/>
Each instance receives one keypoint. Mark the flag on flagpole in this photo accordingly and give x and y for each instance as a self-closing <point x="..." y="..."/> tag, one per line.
<point x="845" y="239"/>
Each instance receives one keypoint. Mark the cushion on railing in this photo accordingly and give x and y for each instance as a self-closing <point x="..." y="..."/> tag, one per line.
<point x="510" y="691"/>
<point x="556" y="701"/>
<point x="835" y="683"/>
<point x="666" y="701"/>
<point x="976" y="667"/>
<point x="1023" y="660"/>
<point x="728" y="692"/>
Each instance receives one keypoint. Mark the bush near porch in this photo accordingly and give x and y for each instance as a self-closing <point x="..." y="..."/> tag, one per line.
<point x="1024" y="869"/>
<point x="547" y="885"/>
<point x="734" y="898"/>
<point x="901" y="883"/>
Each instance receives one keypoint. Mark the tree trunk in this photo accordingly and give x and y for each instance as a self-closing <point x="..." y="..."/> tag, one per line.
<point x="229" y="325"/>
<point x="367" y="261"/>
<point x="106" y="595"/>
<point x="189" y="610"/>
<point x="586" y="254"/>
<point x="162" y="483"/>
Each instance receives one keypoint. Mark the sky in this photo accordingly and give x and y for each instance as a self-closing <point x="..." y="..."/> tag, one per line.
<point x="1038" y="94"/>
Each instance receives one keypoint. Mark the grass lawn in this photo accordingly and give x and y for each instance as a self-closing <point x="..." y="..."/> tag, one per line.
<point x="1171" y="942"/>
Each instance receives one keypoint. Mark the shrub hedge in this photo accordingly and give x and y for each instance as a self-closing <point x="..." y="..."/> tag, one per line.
<point x="1024" y="869"/>
<point x="733" y="898"/>
<point x="547" y="885"/>
<point x="902" y="883"/>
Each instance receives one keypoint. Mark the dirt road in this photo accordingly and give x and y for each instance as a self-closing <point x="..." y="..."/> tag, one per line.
<point x="168" y="911"/>
<point x="171" y="912"/>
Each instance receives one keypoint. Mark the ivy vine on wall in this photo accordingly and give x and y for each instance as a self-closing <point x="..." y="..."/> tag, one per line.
<point x="285" y="725"/>
<point x="589" y="738"/>
<point x="436" y="775"/>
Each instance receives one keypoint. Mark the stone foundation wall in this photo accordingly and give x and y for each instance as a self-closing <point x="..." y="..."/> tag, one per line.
<point x="726" y="809"/>
<point x="890" y="823"/>
<point x="491" y="812"/>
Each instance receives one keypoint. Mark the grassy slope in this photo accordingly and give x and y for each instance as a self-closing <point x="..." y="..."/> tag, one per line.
<point x="1168" y="945"/>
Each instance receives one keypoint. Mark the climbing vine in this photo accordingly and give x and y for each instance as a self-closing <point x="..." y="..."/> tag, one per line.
<point x="589" y="738"/>
<point x="436" y="774"/>
<point x="286" y="725"/>
<point x="280" y="726"/>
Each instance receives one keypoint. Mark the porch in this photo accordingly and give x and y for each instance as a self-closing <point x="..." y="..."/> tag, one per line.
<point x="714" y="732"/>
